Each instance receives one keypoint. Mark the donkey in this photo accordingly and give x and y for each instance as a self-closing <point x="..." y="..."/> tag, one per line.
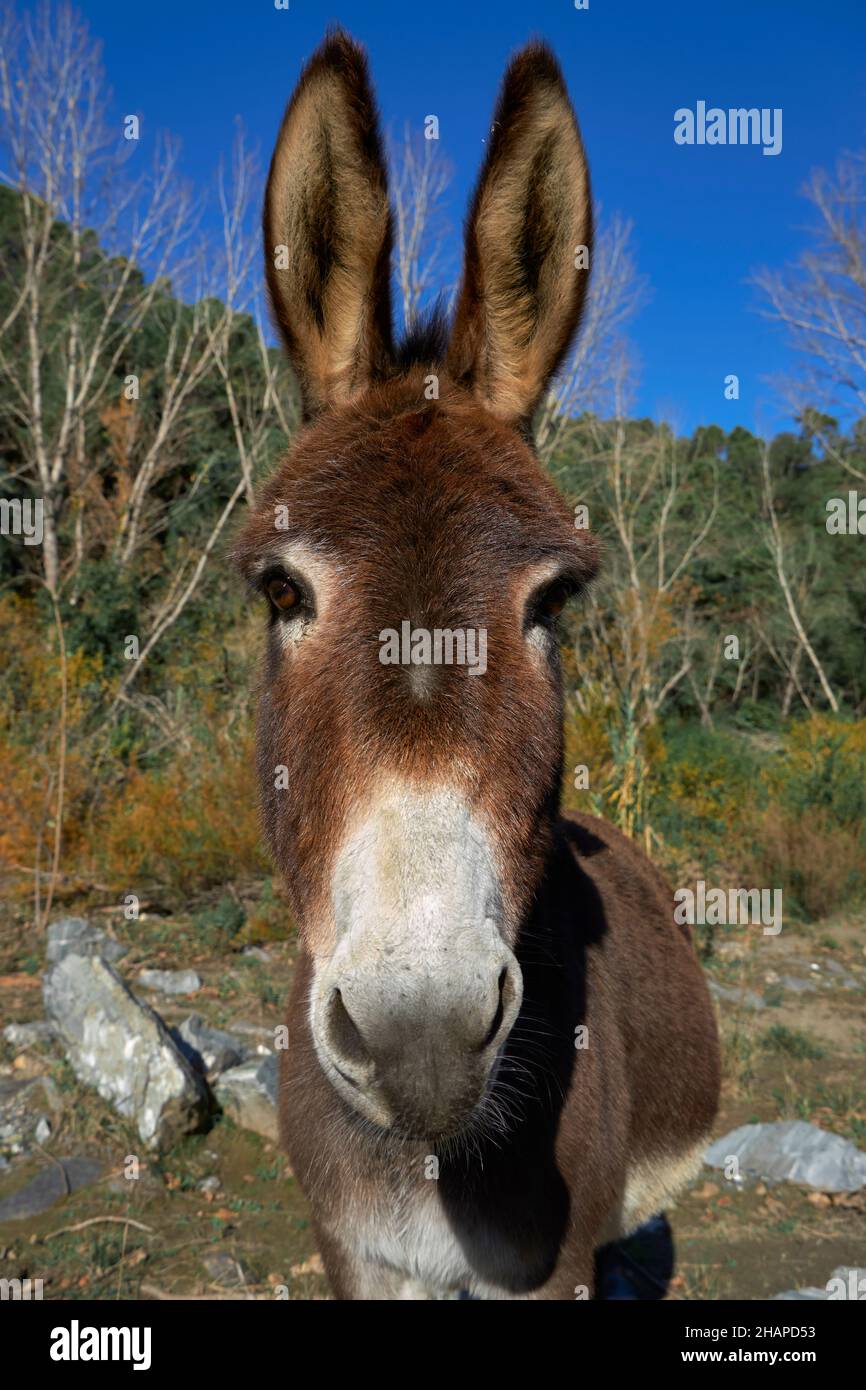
<point x="501" y="1050"/>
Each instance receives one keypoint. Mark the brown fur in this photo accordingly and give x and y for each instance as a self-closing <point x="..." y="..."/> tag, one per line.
<point x="438" y="511"/>
<point x="328" y="204"/>
<point x="522" y="295"/>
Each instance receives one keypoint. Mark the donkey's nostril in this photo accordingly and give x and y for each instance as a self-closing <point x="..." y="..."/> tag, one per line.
<point x="504" y="992"/>
<point x="342" y="1034"/>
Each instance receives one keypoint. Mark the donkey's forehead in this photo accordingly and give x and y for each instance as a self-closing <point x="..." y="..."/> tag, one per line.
<point x="421" y="479"/>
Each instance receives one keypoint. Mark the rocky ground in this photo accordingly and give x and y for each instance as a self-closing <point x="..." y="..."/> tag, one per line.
<point x="137" y="1122"/>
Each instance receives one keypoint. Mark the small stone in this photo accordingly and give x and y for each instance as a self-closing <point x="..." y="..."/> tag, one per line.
<point x="248" y="1094"/>
<point x="209" y="1184"/>
<point x="209" y="1050"/>
<point x="798" y="986"/>
<point x="225" y="1270"/>
<point x="844" y="977"/>
<point x="746" y="998"/>
<point x="145" y="1182"/>
<point x="25" y="1034"/>
<point x="23" y="1105"/>
<point x="170" y="981"/>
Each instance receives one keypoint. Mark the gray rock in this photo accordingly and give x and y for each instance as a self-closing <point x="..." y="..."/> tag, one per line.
<point x="122" y="1048"/>
<point x="170" y="981"/>
<point x="851" y="1281"/>
<point x="210" y="1184"/>
<point x="209" y="1050"/>
<point x="854" y="1280"/>
<point x="745" y="997"/>
<point x="844" y="977"/>
<point x="792" y="1151"/>
<point x="25" y="1106"/>
<point x="257" y="953"/>
<point x="49" y="1185"/>
<point x="144" y="1182"/>
<point x="249" y="1095"/>
<point x="26" y="1034"/>
<point x="225" y="1270"/>
<point x="73" y="936"/>
<point x="798" y="986"/>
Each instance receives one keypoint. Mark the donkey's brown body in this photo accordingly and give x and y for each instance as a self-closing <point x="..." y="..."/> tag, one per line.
<point x="501" y="1048"/>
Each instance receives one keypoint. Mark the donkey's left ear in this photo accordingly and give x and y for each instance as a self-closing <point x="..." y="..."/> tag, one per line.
<point x="528" y="241"/>
<point x="327" y="229"/>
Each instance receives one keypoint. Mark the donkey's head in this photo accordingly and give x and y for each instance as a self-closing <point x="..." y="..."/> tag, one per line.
<point x="414" y="556"/>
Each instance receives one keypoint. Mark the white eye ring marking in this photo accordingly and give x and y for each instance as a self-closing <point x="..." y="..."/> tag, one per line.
<point x="317" y="575"/>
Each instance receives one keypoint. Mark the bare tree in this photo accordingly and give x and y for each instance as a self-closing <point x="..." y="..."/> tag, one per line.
<point x="821" y="300"/>
<point x="70" y="174"/>
<point x="420" y="176"/>
<point x="254" y="406"/>
<point x="639" y="637"/>
<point x="776" y="545"/>
<point x="93" y="255"/>
<point x="646" y="579"/>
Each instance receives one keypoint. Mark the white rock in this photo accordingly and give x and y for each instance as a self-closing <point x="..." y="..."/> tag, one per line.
<point x="122" y="1048"/>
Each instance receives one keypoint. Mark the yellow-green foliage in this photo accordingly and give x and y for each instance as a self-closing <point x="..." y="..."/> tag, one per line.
<point x="187" y="819"/>
<point x="809" y="835"/>
<point x="30" y="724"/>
<point x="786" y="812"/>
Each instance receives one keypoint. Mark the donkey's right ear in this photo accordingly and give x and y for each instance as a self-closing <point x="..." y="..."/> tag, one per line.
<point x="527" y="244"/>
<point x="327" y="229"/>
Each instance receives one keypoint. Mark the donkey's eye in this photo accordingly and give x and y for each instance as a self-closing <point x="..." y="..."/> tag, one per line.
<point x="283" y="594"/>
<point x="552" y="600"/>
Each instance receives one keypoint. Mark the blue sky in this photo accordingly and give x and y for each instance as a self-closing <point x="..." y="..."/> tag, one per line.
<point x="704" y="216"/>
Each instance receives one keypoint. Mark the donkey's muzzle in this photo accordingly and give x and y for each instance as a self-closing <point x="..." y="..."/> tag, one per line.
<point x="415" y="1053"/>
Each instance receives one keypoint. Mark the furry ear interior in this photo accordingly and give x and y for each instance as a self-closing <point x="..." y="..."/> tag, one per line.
<point x="327" y="229"/>
<point x="528" y="243"/>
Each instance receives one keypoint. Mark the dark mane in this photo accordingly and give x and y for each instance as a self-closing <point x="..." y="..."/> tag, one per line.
<point x="425" y="342"/>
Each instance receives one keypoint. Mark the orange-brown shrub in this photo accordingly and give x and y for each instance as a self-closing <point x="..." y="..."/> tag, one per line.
<point x="191" y="825"/>
<point x="819" y="864"/>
